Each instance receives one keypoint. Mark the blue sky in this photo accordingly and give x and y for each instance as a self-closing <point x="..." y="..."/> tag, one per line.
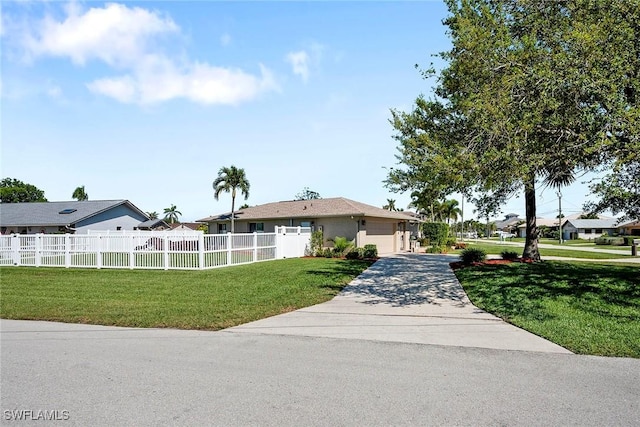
<point x="147" y="100"/>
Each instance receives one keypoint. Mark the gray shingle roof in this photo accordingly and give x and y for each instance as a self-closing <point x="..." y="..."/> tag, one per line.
<point x="593" y="223"/>
<point x="48" y="213"/>
<point x="338" y="206"/>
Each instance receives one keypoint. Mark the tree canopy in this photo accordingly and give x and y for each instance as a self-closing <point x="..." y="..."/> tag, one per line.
<point x="172" y="214"/>
<point x="15" y="191"/>
<point x="231" y="179"/>
<point x="79" y="194"/>
<point x="307" y="194"/>
<point x="533" y="93"/>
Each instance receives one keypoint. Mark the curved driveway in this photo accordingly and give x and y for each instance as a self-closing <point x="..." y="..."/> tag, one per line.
<point x="410" y="298"/>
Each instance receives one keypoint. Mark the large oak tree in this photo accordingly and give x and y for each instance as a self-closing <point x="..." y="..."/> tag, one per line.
<point x="534" y="92"/>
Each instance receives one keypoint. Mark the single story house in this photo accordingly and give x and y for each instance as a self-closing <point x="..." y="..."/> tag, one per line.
<point x="509" y="223"/>
<point x="552" y="223"/>
<point x="588" y="228"/>
<point x="70" y="217"/>
<point x="631" y="228"/>
<point x="389" y="230"/>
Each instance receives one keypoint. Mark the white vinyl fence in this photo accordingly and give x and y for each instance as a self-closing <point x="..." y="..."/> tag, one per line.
<point x="157" y="250"/>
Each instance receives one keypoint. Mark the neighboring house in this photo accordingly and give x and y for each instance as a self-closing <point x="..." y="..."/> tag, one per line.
<point x="509" y="223"/>
<point x="366" y="224"/>
<point x="70" y="217"/>
<point x="588" y="228"/>
<point x="180" y="226"/>
<point x="552" y="223"/>
<point x="631" y="228"/>
<point x="157" y="224"/>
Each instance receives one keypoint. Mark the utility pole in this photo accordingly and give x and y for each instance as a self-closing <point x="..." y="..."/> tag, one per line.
<point x="462" y="223"/>
<point x="559" y="215"/>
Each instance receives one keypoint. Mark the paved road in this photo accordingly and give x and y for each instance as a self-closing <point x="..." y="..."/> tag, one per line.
<point x="106" y="376"/>
<point x="410" y="298"/>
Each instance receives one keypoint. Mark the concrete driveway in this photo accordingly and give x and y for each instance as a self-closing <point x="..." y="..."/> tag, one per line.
<point x="409" y="298"/>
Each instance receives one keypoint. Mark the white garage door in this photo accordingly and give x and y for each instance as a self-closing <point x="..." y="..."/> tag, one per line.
<point x="382" y="235"/>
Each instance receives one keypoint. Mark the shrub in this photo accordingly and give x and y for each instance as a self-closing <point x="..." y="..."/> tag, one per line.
<point x="340" y="245"/>
<point x="437" y="250"/>
<point x="370" y="251"/>
<point x="317" y="239"/>
<point x="327" y="253"/>
<point x="450" y="242"/>
<point x="606" y="240"/>
<point x="471" y="255"/>
<point x="353" y="254"/>
<point x="511" y="255"/>
<point x="436" y="233"/>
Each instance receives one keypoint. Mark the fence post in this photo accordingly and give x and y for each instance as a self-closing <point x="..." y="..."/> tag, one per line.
<point x="99" y="252"/>
<point x="200" y="251"/>
<point x="229" y="247"/>
<point x="278" y="242"/>
<point x="255" y="246"/>
<point x="67" y="250"/>
<point x="15" y="249"/>
<point x="132" y="255"/>
<point x="38" y="250"/>
<point x="165" y="251"/>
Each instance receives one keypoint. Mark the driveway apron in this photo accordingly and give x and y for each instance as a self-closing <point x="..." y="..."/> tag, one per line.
<point x="409" y="298"/>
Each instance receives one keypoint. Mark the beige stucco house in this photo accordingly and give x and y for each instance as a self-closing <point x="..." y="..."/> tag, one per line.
<point x="366" y="224"/>
<point x="631" y="228"/>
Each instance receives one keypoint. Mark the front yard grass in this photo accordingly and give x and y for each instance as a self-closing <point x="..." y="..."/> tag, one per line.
<point x="584" y="307"/>
<point x="496" y="249"/>
<point x="210" y="299"/>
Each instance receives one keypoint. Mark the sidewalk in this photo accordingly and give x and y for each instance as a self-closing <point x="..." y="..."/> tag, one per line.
<point x="409" y="298"/>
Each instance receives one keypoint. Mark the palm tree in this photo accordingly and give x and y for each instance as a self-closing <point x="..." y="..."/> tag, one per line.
<point x="230" y="179"/>
<point x="450" y="210"/>
<point x="171" y="214"/>
<point x="391" y="205"/>
<point x="153" y="215"/>
<point x="79" y="194"/>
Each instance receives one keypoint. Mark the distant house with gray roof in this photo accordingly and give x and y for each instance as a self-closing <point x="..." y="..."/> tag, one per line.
<point x="588" y="228"/>
<point x="69" y="217"/>
<point x="388" y="230"/>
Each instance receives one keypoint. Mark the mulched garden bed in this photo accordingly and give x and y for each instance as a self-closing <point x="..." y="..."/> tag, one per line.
<point x="459" y="264"/>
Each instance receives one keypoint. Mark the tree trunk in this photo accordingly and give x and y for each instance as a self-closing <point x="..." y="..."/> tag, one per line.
<point x="233" y="213"/>
<point x="531" y="244"/>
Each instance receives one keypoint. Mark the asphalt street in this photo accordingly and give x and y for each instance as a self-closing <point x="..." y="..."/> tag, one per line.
<point x="107" y="376"/>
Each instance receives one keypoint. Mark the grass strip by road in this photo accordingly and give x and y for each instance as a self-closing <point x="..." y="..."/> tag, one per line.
<point x="496" y="249"/>
<point x="586" y="308"/>
<point x="209" y="300"/>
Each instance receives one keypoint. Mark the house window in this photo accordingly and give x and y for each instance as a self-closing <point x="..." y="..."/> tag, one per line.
<point x="222" y="228"/>
<point x="598" y="230"/>
<point x="305" y="223"/>
<point x="587" y="231"/>
<point x="118" y="228"/>
<point x="256" y="227"/>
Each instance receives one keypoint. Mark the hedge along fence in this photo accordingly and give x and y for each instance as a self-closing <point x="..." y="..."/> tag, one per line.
<point x="436" y="232"/>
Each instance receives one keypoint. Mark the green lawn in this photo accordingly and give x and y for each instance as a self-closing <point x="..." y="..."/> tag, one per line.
<point x="496" y="249"/>
<point x="584" y="307"/>
<point x="210" y="299"/>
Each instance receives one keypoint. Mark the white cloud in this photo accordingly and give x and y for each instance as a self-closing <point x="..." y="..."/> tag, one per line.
<point x="114" y="34"/>
<point x="299" y="63"/>
<point x="303" y="62"/>
<point x="157" y="79"/>
<point x="124" y="38"/>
